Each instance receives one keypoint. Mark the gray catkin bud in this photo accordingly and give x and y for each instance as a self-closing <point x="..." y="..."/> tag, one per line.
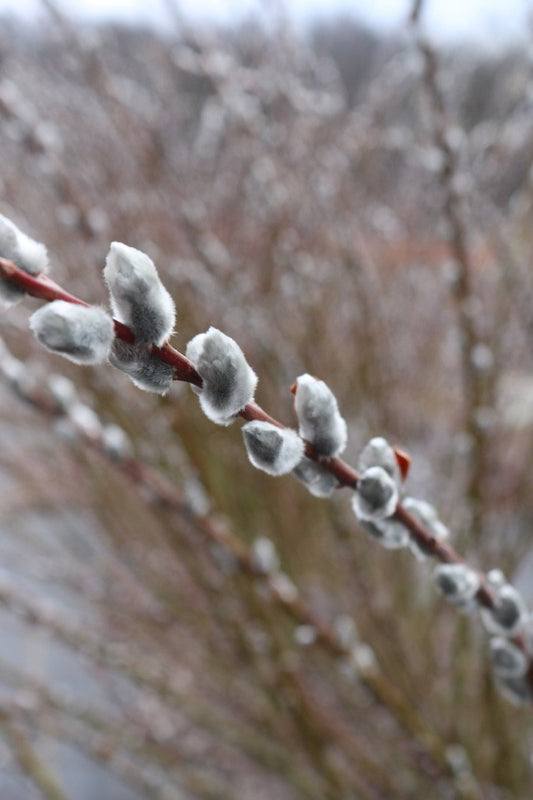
<point x="83" y="335"/>
<point x="506" y="658"/>
<point x="459" y="584"/>
<point x="138" y="297"/>
<point x="62" y="390"/>
<point x="379" y="453"/>
<point x="274" y="450"/>
<point x="146" y="371"/>
<point x="85" y="420"/>
<point x="517" y="690"/>
<point x="228" y="380"/>
<point x="305" y="635"/>
<point x="390" y="533"/>
<point x="376" y="496"/>
<point x="25" y="252"/>
<point x="116" y="443"/>
<point x="496" y="578"/>
<point x="318" y="480"/>
<point x="508" y="614"/>
<point x="264" y="555"/>
<point x="320" y="422"/>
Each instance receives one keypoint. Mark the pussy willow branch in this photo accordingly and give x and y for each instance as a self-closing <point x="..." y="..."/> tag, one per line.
<point x="44" y="288"/>
<point x="215" y="531"/>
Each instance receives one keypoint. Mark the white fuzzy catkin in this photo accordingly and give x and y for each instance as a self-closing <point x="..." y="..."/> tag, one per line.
<point x="508" y="615"/>
<point x="517" y="690"/>
<point x="275" y="450"/>
<point x="63" y="391"/>
<point x="320" y="422"/>
<point x="496" y="578"/>
<point x="318" y="480"/>
<point x="427" y="515"/>
<point x="459" y="584"/>
<point x="390" y="533"/>
<point x="228" y="380"/>
<point x="138" y="297"/>
<point x="376" y="496"/>
<point x="116" y="443"/>
<point x="25" y="252"/>
<point x="506" y="658"/>
<point x="145" y="370"/>
<point x="85" y="420"/>
<point x="81" y="334"/>
<point x="379" y="453"/>
<point x="264" y="555"/>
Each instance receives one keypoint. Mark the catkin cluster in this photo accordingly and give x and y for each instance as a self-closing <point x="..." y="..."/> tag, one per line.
<point x="87" y="335"/>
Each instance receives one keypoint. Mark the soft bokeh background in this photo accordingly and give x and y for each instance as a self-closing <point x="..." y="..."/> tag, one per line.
<point x="299" y="188"/>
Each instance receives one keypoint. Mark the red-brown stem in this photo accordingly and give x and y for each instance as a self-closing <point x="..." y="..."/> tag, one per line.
<point x="42" y="287"/>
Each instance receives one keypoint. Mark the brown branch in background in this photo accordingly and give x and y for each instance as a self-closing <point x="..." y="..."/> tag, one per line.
<point x="416" y="11"/>
<point x="27" y="757"/>
<point x="478" y="388"/>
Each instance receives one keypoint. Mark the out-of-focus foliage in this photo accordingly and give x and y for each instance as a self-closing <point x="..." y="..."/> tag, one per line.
<point x="291" y="193"/>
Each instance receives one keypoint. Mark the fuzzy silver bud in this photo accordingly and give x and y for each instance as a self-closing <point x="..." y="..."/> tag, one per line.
<point x="81" y="334"/>
<point x="376" y="496"/>
<point x="320" y="421"/>
<point x="275" y="450"/>
<point x="145" y="370"/>
<point x="138" y="297"/>
<point x="116" y="443"/>
<point x="379" y="453"/>
<point x="459" y="584"/>
<point x="85" y="420"/>
<point x="264" y="555"/>
<point x="318" y="480"/>
<point x="517" y="690"/>
<point x="228" y="380"/>
<point x="25" y="252"/>
<point x="506" y="658"/>
<point x="63" y="391"/>
<point x="508" y="614"/>
<point x="390" y="533"/>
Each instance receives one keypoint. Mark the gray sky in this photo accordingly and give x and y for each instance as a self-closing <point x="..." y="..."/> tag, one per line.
<point x="489" y="20"/>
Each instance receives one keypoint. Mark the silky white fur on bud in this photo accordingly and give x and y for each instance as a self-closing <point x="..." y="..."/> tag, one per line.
<point x="228" y="380"/>
<point x="138" y="297"/>
<point x="459" y="584"/>
<point x="116" y="443"/>
<point x="318" y="480"/>
<point x="517" y="690"/>
<point x="63" y="391"/>
<point x="379" y="453"/>
<point x="320" y="422"/>
<point x="145" y="370"/>
<point x="508" y="614"/>
<point x="275" y="450"/>
<point x="506" y="658"/>
<point x="264" y="555"/>
<point x="25" y="252"/>
<point x="390" y="533"/>
<point x="376" y="496"/>
<point x="81" y="334"/>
